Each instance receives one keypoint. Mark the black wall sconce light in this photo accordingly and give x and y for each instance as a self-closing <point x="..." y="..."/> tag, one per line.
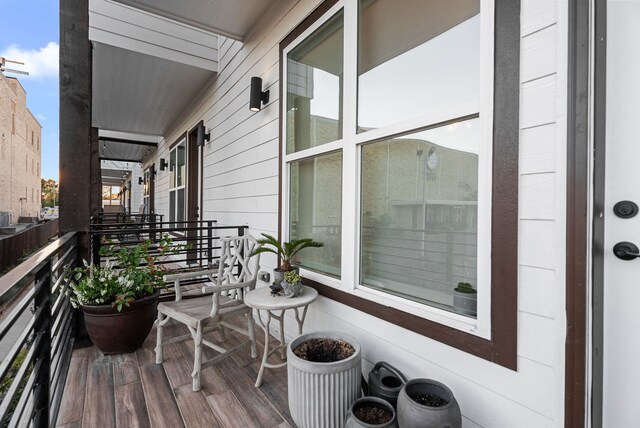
<point x="163" y="164"/>
<point x="140" y="180"/>
<point x="258" y="97"/>
<point x="202" y="135"/>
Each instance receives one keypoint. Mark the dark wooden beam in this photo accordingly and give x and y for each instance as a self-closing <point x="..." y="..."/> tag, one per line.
<point x="75" y="116"/>
<point x="125" y="141"/>
<point x="578" y="188"/>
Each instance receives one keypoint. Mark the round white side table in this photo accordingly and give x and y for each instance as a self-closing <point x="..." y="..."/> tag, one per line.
<point x="261" y="299"/>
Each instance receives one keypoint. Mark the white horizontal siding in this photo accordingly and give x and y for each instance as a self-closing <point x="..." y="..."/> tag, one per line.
<point x="241" y="185"/>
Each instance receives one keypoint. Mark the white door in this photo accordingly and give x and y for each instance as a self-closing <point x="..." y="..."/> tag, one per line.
<point x="621" y="359"/>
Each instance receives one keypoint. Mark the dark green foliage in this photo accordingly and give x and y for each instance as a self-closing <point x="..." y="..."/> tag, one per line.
<point x="286" y="250"/>
<point x="465" y="287"/>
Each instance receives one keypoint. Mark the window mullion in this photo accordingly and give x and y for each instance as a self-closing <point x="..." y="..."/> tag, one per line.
<point x="349" y="159"/>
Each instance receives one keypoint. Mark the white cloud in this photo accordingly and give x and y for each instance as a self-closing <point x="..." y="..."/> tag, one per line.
<point x="41" y="117"/>
<point x="39" y="63"/>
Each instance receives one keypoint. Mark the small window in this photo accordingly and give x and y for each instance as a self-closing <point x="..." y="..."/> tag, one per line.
<point x="177" y="178"/>
<point x="314" y="88"/>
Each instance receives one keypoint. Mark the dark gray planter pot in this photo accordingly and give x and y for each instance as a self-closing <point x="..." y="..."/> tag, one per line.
<point x="414" y="415"/>
<point x="465" y="303"/>
<point x="278" y="275"/>
<point x="352" y="421"/>
<point x="320" y="394"/>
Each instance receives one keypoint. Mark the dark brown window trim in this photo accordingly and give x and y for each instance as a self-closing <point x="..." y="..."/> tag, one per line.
<point x="502" y="348"/>
<point x="578" y="79"/>
<point x="180" y="138"/>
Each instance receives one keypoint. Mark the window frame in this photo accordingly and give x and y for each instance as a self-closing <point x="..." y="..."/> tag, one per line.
<point x="174" y="189"/>
<point x="498" y="343"/>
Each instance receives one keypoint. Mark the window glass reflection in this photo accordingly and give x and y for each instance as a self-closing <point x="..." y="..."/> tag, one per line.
<point x="419" y="213"/>
<point x="416" y="58"/>
<point x="314" y="88"/>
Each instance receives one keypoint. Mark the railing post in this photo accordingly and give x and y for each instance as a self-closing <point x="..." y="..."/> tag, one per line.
<point x="153" y="225"/>
<point x="95" y="239"/>
<point x="42" y="328"/>
<point x="209" y="242"/>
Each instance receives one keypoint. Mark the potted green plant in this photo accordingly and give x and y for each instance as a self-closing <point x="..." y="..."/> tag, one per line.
<point x="465" y="299"/>
<point x="119" y="298"/>
<point x="285" y="251"/>
<point x="292" y="284"/>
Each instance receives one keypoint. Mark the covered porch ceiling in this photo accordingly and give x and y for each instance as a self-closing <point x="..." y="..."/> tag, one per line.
<point x="113" y="177"/>
<point x="233" y="19"/>
<point x="152" y="58"/>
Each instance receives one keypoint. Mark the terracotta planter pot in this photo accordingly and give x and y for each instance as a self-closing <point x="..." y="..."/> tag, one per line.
<point x="116" y="332"/>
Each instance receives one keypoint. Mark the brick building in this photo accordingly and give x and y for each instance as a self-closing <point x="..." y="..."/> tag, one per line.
<point x="20" y="153"/>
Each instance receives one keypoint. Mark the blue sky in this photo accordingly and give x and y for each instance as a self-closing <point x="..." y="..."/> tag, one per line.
<point x="30" y="33"/>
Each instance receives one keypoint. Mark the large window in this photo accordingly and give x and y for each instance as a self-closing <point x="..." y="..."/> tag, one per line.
<point x="389" y="135"/>
<point x="177" y="179"/>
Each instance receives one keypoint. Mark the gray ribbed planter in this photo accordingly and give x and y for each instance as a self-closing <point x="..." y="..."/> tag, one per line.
<point x="320" y="394"/>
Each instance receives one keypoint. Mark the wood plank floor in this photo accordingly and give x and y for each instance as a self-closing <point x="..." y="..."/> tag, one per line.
<point x="130" y="390"/>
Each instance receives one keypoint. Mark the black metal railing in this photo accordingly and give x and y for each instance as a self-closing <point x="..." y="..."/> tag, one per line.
<point x="129" y="218"/>
<point x="36" y="335"/>
<point x="200" y="242"/>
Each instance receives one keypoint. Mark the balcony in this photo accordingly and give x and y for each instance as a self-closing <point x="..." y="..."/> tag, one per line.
<point x="131" y="390"/>
<point x="45" y="382"/>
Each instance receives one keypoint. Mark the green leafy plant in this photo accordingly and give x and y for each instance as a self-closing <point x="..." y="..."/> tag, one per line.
<point x="292" y="277"/>
<point x="465" y="287"/>
<point x="285" y="251"/>
<point x="128" y="274"/>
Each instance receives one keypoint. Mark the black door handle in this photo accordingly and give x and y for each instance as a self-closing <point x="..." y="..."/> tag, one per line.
<point x="626" y="250"/>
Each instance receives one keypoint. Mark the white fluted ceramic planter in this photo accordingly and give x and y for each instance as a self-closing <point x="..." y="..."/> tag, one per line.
<point x="320" y="394"/>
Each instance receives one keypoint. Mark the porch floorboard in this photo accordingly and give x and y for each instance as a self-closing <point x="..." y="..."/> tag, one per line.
<point x="132" y="391"/>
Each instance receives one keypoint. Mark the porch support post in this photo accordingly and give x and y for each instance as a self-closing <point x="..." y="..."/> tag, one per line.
<point x="75" y="120"/>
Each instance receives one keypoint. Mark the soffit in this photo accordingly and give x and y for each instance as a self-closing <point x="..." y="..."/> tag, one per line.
<point x="139" y="93"/>
<point x="126" y="151"/>
<point x="233" y="19"/>
<point x="113" y="177"/>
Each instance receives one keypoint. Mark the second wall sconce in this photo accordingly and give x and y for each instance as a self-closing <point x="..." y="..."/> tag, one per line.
<point x="202" y="134"/>
<point x="163" y="164"/>
<point x="140" y="180"/>
<point x="258" y="97"/>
